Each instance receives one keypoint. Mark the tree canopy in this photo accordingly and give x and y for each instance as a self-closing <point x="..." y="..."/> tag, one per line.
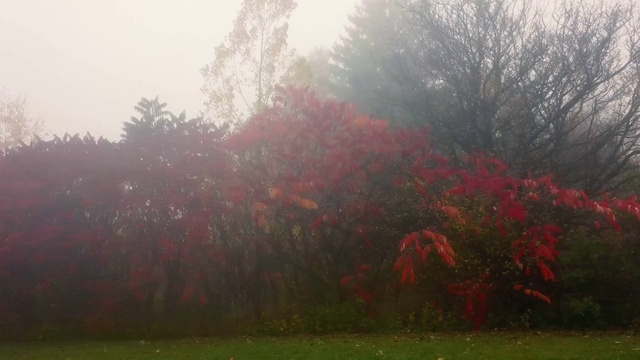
<point x="309" y="205"/>
<point x="463" y="189"/>
<point x="240" y="80"/>
<point x="554" y="91"/>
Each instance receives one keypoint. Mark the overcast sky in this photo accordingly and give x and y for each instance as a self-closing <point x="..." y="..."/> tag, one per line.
<point x="84" y="64"/>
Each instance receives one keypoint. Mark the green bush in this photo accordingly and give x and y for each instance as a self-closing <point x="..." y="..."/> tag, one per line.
<point x="350" y="316"/>
<point x="581" y="312"/>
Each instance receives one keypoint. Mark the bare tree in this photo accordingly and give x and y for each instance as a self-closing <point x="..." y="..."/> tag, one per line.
<point x="545" y="92"/>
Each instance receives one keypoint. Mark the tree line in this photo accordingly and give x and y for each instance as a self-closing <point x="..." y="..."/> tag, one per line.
<point x="310" y="217"/>
<point x="451" y="165"/>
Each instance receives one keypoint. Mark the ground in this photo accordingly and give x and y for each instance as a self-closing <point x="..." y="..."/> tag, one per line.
<point x="487" y="345"/>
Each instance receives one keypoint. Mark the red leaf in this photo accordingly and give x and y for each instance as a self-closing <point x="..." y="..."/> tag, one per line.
<point x="139" y="295"/>
<point x="275" y="193"/>
<point x="408" y="275"/>
<point x="538" y="295"/>
<point x="515" y="211"/>
<point x="186" y="295"/>
<point x="399" y="264"/>
<point x="424" y="252"/>
<point x="408" y="240"/>
<point x="202" y="299"/>
<point x="552" y="229"/>
<point x="547" y="274"/>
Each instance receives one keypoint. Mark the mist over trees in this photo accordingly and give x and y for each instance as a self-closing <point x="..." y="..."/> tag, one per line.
<point x="16" y="126"/>
<point x="374" y="65"/>
<point x="546" y="90"/>
<point x="443" y="167"/>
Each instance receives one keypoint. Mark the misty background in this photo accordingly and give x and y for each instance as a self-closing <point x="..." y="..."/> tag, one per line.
<point x="83" y="64"/>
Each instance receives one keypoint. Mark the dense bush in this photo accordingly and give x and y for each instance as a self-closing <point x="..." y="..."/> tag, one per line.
<point x="186" y="228"/>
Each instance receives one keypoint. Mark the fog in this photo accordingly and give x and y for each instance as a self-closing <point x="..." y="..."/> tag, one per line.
<point x="84" y="64"/>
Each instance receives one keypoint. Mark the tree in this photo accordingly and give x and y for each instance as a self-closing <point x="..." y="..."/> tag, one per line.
<point x="57" y="201"/>
<point x="240" y="80"/>
<point x="15" y="124"/>
<point x="561" y="96"/>
<point x="373" y="65"/>
<point x="309" y="201"/>
<point x="331" y="192"/>
<point x="154" y="120"/>
<point x="557" y="94"/>
<point x="312" y="71"/>
<point x="172" y="167"/>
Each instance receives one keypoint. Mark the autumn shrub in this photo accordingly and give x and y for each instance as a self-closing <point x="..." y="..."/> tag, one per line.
<point x="309" y="205"/>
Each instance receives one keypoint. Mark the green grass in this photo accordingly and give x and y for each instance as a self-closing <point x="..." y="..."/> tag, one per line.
<point x="492" y="346"/>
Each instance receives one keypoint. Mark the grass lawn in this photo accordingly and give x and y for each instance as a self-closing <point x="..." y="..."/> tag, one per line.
<point x="492" y="346"/>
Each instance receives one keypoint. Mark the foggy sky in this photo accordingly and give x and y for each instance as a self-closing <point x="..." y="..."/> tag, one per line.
<point x="84" y="64"/>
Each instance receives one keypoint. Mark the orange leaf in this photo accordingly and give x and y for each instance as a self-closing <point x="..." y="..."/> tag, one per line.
<point x="451" y="211"/>
<point x="262" y="221"/>
<point x="275" y="192"/>
<point x="307" y="204"/>
<point x="258" y="206"/>
<point x="538" y="295"/>
<point x="361" y="121"/>
<point x="380" y="124"/>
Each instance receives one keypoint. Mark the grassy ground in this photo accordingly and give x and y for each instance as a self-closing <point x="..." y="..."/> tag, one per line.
<point x="492" y="346"/>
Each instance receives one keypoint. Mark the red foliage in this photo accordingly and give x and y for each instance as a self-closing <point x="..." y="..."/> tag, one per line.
<point x="307" y="186"/>
<point x="475" y="299"/>
<point x="356" y="284"/>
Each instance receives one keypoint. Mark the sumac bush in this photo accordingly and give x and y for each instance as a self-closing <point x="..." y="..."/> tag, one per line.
<point x="308" y="204"/>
